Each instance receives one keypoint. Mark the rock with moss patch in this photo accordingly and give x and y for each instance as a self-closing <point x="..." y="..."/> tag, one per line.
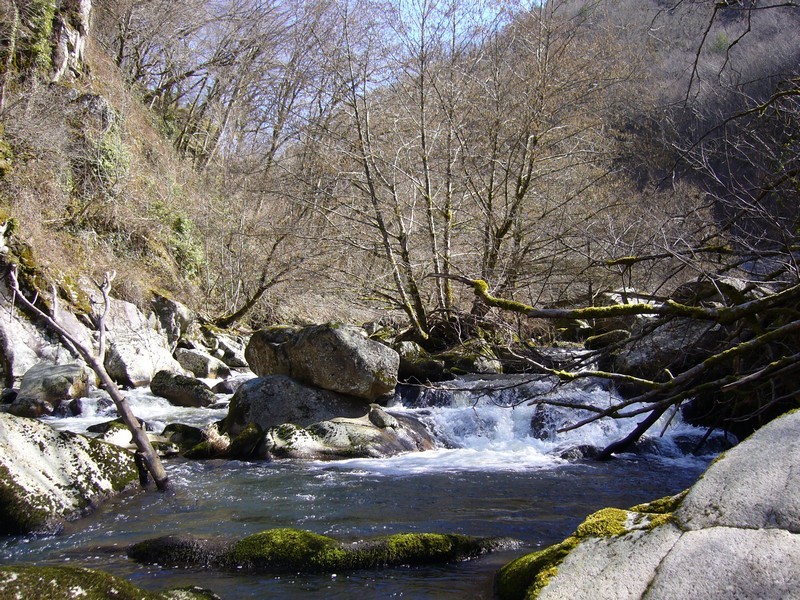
<point x="417" y="365"/>
<point x="49" y="476"/>
<point x="296" y="551"/>
<point x="734" y="533"/>
<point x="47" y="583"/>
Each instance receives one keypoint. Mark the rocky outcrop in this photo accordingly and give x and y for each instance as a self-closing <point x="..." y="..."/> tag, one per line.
<point x="181" y="390"/>
<point x="295" y="551"/>
<point x="669" y="346"/>
<point x="227" y="348"/>
<point x="70" y="33"/>
<point x="86" y="584"/>
<point x="137" y="349"/>
<point x="375" y="435"/>
<point x="49" y="476"/>
<point x="334" y="357"/>
<point x="175" y="318"/>
<point x="46" y="387"/>
<point x="735" y="533"/>
<point x="23" y="345"/>
<point x="275" y="400"/>
<point x="201" y="364"/>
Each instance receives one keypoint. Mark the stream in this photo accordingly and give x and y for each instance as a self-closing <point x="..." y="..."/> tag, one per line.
<point x="491" y="477"/>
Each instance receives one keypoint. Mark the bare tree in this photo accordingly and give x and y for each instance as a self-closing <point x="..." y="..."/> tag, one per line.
<point x="146" y="454"/>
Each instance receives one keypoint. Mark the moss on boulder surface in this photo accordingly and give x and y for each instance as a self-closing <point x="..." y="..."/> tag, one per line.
<point x="55" y="583"/>
<point x="734" y="533"/>
<point x="49" y="476"/>
<point x="525" y="577"/>
<point x="281" y="550"/>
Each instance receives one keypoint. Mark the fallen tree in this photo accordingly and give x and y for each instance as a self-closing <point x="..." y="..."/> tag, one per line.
<point x="748" y="375"/>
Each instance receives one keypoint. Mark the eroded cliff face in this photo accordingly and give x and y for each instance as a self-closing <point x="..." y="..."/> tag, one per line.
<point x="70" y="34"/>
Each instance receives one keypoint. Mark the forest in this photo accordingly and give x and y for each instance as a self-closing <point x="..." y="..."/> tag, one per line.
<point x="447" y="169"/>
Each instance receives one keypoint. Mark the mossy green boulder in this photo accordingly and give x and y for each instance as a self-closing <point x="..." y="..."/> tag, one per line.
<point x="49" y="476"/>
<point x="293" y="550"/>
<point x="734" y="533"/>
<point x="67" y="583"/>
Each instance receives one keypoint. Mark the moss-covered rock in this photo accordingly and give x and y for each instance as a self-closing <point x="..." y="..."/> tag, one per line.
<point x="288" y="549"/>
<point x="245" y="446"/>
<point x="525" y="577"/>
<point x="54" y="583"/>
<point x="49" y="476"/>
<point x="281" y="550"/>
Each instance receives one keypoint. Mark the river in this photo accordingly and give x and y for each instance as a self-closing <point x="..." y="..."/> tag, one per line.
<point x="491" y="477"/>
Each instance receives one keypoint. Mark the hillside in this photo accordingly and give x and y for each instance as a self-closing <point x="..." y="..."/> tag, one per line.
<point x="306" y="164"/>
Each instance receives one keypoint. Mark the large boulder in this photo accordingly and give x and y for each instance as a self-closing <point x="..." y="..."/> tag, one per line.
<point x="334" y="357"/>
<point x="734" y="534"/>
<point x="49" y="476"/>
<point x="377" y="434"/>
<point x="266" y="351"/>
<point x="137" y="348"/>
<point x="23" y="345"/>
<point x="45" y="387"/>
<point x="278" y="399"/>
<point x="181" y="390"/>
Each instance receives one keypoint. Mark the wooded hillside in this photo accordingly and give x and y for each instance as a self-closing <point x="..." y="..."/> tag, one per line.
<point x="450" y="168"/>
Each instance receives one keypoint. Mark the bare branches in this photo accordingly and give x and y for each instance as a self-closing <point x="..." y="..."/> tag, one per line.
<point x="147" y="454"/>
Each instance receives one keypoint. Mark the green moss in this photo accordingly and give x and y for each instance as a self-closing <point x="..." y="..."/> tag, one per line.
<point x="202" y="451"/>
<point x="417" y="548"/>
<point x="604" y="523"/>
<point x="21" y="511"/>
<point x="666" y="505"/>
<point x="71" y="291"/>
<point x="288" y="549"/>
<point x="118" y="465"/>
<point x="481" y="289"/>
<point x="244" y="445"/>
<point x="46" y="583"/>
<point x="35" y="53"/>
<point x="526" y="576"/>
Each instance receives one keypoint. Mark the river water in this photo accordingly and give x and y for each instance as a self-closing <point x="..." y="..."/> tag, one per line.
<point x="491" y="477"/>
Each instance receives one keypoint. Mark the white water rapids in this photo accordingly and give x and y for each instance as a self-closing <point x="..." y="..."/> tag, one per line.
<point x="481" y="423"/>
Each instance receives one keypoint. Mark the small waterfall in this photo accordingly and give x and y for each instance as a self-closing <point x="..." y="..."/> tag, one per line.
<point x="501" y="414"/>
